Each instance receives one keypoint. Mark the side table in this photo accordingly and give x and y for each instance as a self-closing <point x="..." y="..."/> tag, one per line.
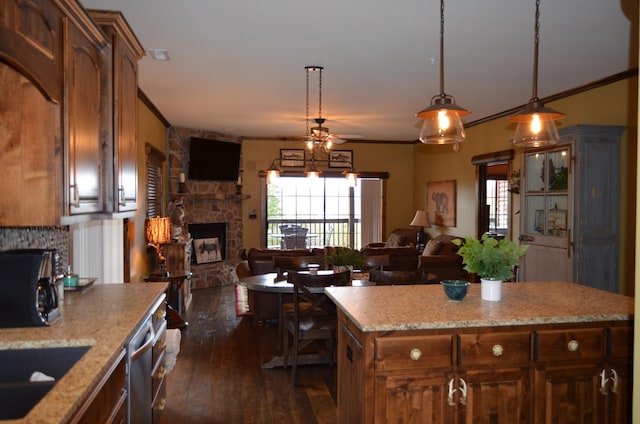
<point x="174" y="298"/>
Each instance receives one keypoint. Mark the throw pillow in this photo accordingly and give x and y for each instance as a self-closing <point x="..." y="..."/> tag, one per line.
<point x="432" y="247"/>
<point x="393" y="241"/>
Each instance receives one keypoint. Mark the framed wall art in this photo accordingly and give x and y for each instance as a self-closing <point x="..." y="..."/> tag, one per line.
<point x="292" y="157"/>
<point x="441" y="202"/>
<point x="341" y="159"/>
<point x="207" y="250"/>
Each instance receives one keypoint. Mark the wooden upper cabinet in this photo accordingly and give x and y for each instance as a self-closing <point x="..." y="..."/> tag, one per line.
<point x="123" y="68"/>
<point x="31" y="39"/>
<point x="84" y="124"/>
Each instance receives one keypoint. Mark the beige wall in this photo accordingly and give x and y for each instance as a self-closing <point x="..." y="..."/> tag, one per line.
<point x="150" y="130"/>
<point x="613" y="104"/>
<point x="397" y="160"/>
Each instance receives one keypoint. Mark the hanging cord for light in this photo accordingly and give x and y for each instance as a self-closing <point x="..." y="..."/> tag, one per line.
<point x="441" y="119"/>
<point x="535" y="123"/>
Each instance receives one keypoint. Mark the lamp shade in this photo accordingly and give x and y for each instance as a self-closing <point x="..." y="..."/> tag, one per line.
<point x="158" y="230"/>
<point x="420" y="219"/>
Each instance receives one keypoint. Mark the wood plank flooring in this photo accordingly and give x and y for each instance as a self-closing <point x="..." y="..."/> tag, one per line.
<point x="217" y="378"/>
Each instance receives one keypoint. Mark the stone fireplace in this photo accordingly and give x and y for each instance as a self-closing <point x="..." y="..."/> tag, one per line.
<point x="206" y="203"/>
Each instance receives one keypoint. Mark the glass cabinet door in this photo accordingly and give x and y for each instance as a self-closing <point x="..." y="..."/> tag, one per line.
<point x="546" y="200"/>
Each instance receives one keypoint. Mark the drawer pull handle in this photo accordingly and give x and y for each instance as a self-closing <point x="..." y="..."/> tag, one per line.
<point x="497" y="350"/>
<point x="573" y="345"/>
<point x="415" y="354"/>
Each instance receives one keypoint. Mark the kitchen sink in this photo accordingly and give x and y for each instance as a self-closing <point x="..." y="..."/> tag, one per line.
<point x="18" y="394"/>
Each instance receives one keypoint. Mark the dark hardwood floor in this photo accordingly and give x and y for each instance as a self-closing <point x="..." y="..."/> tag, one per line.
<point x="217" y="377"/>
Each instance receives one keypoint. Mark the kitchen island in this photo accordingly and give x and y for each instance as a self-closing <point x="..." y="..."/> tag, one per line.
<point x="547" y="352"/>
<point x="103" y="317"/>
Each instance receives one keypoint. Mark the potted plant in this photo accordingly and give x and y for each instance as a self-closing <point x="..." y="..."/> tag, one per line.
<point x="492" y="259"/>
<point x="342" y="258"/>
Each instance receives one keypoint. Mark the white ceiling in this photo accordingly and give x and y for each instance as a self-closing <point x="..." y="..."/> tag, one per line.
<point x="237" y="66"/>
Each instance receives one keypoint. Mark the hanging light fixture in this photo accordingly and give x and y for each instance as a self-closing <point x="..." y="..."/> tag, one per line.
<point x="442" y="123"/>
<point x="535" y="123"/>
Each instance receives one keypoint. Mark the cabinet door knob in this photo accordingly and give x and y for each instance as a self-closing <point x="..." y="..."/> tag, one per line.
<point x="415" y="354"/>
<point x="573" y="345"/>
<point x="497" y="350"/>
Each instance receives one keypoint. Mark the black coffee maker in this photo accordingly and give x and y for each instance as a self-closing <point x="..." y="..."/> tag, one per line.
<point x="28" y="287"/>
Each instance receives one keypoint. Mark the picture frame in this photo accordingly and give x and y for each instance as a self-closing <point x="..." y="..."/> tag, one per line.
<point x="441" y="202"/>
<point x="207" y="250"/>
<point x="292" y="158"/>
<point x="341" y="159"/>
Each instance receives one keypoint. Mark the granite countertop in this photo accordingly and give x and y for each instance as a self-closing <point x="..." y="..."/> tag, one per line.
<point x="103" y="317"/>
<point x="388" y="308"/>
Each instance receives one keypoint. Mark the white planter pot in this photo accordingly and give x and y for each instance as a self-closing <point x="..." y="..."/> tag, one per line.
<point x="490" y="289"/>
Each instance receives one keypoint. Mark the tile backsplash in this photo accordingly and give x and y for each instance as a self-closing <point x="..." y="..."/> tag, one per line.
<point x="36" y="238"/>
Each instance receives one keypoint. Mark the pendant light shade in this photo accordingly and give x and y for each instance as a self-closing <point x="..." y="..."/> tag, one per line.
<point x="442" y="123"/>
<point x="535" y="123"/>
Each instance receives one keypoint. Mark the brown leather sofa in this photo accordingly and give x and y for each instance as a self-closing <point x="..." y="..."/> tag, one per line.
<point x="400" y="246"/>
<point x="444" y="262"/>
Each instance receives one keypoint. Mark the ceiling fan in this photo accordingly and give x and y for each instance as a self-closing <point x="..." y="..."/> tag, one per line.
<point x="319" y="135"/>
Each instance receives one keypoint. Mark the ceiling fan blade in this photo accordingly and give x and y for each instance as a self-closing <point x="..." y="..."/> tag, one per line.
<point x="338" y="140"/>
<point x="347" y="136"/>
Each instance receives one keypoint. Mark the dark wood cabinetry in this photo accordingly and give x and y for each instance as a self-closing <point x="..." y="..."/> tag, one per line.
<point x="108" y="402"/>
<point x="84" y="123"/>
<point x="68" y="103"/>
<point x="521" y="374"/>
<point x="122" y="171"/>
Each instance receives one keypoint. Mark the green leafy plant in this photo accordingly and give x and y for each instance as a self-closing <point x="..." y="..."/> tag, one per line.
<point x="490" y="258"/>
<point x="344" y="256"/>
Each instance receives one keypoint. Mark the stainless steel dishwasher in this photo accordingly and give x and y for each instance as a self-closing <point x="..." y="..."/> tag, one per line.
<point x="139" y="363"/>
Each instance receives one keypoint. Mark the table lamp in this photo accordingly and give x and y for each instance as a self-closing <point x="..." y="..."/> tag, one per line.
<point x="421" y="220"/>
<point x="158" y="231"/>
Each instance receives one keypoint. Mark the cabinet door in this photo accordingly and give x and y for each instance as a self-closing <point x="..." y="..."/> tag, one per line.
<point x="419" y="398"/>
<point x="126" y="125"/>
<point x="618" y="382"/>
<point x="569" y="394"/>
<point x="84" y="124"/>
<point x="546" y="223"/>
<point x="497" y="396"/>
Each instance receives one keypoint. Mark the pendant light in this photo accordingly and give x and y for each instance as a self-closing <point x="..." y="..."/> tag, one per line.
<point x="535" y="123"/>
<point x="442" y="123"/>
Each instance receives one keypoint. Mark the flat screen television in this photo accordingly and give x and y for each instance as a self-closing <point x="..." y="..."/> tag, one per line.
<point x="214" y="160"/>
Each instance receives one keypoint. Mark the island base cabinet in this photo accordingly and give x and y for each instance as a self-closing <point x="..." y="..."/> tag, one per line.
<point x="554" y="373"/>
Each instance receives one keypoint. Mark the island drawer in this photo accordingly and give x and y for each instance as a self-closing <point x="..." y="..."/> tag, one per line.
<point x="494" y="348"/>
<point x="412" y="352"/>
<point x="560" y="345"/>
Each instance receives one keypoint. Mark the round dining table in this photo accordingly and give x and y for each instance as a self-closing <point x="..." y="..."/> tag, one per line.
<point x="272" y="283"/>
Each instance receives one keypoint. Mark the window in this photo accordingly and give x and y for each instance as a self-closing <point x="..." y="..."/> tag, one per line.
<point x="304" y="213"/>
<point x="155" y="160"/>
<point x="498" y="204"/>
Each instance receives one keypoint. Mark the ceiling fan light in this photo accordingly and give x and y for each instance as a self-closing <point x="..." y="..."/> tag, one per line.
<point x="273" y="174"/>
<point x="351" y="177"/>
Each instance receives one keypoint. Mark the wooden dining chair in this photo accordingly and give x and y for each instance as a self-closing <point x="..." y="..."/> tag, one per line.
<point x="314" y="315"/>
<point x="285" y="265"/>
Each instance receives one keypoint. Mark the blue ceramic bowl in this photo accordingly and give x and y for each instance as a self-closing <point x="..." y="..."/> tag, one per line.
<point x="456" y="290"/>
